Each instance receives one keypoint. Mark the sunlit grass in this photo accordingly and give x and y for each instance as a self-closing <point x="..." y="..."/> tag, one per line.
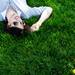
<point x="50" y="51"/>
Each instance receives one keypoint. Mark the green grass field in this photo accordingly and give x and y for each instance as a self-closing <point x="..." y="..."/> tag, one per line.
<point x="50" y="51"/>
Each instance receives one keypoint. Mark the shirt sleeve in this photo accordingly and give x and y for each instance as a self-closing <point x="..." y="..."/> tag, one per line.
<point x="1" y="17"/>
<point x="35" y="11"/>
<point x="3" y="14"/>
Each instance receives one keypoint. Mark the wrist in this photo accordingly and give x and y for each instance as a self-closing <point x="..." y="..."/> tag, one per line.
<point x="39" y="23"/>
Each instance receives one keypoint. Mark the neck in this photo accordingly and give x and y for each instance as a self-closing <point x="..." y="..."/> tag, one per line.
<point x="11" y="12"/>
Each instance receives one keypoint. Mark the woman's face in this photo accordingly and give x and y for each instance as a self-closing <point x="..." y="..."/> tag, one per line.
<point x="14" y="20"/>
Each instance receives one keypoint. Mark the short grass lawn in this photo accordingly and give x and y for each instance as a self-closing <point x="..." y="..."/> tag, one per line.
<point x="49" y="51"/>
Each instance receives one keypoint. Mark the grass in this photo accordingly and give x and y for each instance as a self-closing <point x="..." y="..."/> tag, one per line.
<point x="50" y="51"/>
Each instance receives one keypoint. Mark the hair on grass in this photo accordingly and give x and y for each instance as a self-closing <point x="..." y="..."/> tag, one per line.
<point x="14" y="30"/>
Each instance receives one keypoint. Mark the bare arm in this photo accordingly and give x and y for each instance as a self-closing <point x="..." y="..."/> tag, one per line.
<point x="45" y="15"/>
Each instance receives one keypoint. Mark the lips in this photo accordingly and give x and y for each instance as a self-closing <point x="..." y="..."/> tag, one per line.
<point x="17" y="17"/>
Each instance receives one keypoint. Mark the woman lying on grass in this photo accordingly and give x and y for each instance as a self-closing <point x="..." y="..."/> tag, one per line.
<point x="12" y="12"/>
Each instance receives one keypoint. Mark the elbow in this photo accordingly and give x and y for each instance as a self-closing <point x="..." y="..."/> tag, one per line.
<point x="49" y="10"/>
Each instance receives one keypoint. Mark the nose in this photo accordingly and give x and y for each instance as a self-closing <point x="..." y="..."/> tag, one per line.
<point x="21" y="26"/>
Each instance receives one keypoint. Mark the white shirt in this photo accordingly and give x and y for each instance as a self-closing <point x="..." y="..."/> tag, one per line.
<point x="21" y="7"/>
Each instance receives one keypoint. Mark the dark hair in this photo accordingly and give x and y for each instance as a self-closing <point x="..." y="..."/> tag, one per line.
<point x="14" y="30"/>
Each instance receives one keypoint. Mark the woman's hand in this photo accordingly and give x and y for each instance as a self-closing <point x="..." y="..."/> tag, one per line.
<point x="35" y="27"/>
